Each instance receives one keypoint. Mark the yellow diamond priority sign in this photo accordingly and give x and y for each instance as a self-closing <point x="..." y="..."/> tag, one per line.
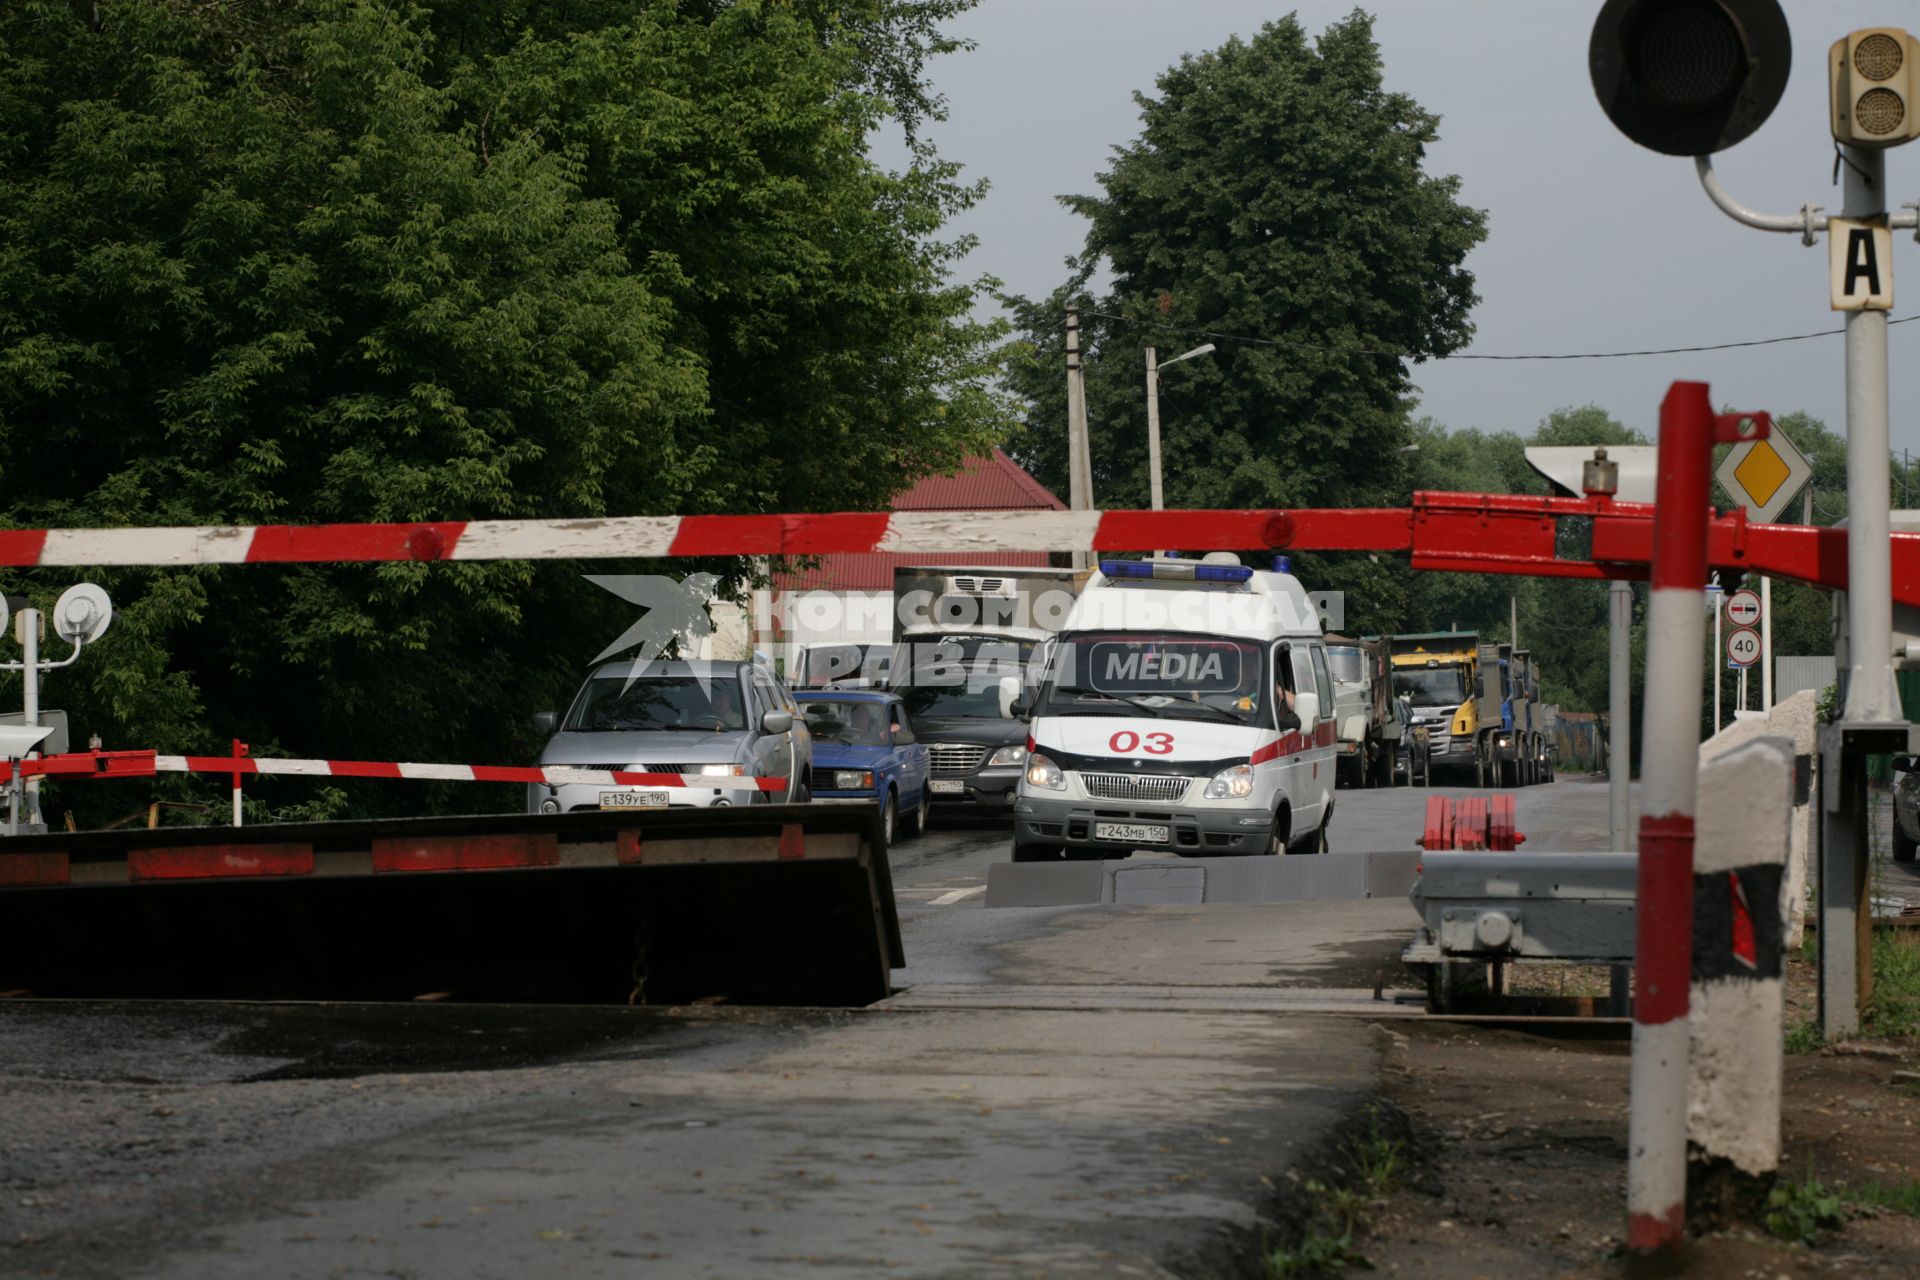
<point x="1764" y="475"/>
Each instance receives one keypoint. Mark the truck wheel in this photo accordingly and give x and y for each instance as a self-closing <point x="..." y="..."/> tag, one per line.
<point x="1904" y="848"/>
<point x="1479" y="767"/>
<point x="1028" y="852"/>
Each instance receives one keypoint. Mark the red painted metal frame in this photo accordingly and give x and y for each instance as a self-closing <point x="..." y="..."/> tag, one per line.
<point x="1518" y="534"/>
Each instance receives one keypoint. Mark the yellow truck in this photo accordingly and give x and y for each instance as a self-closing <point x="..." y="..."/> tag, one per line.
<point x="1445" y="676"/>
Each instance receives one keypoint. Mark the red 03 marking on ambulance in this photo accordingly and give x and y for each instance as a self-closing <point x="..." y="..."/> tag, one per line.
<point x="1127" y="742"/>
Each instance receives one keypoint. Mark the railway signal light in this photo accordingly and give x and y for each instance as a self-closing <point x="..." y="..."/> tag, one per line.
<point x="1873" y="83"/>
<point x="1689" y="77"/>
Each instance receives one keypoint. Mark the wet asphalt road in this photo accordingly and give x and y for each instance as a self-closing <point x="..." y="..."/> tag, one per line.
<point x="200" y="1140"/>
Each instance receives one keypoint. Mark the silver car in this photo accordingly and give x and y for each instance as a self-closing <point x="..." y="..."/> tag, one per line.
<point x="695" y="719"/>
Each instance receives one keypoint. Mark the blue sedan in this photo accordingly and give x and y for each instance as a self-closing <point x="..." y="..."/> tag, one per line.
<point x="864" y="751"/>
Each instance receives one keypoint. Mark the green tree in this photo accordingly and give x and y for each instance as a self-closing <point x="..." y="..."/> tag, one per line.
<point x="338" y="261"/>
<point x="1277" y="191"/>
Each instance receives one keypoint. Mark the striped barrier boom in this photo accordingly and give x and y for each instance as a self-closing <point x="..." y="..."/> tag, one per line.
<point x="647" y="537"/>
<point x="135" y="764"/>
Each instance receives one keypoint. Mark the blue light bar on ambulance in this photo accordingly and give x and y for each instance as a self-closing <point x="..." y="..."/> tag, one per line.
<point x="1175" y="570"/>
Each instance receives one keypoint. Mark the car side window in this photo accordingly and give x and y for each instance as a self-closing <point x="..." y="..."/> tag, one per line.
<point x="763" y="700"/>
<point x="1322" y="681"/>
<point x="903" y="728"/>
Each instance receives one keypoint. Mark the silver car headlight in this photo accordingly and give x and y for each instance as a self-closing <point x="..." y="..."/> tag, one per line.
<point x="1235" y="783"/>
<point x="1016" y="754"/>
<point x="723" y="771"/>
<point x="852" y="780"/>
<point x="1042" y="772"/>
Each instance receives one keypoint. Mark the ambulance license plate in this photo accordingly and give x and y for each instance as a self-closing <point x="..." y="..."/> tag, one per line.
<point x="633" y="799"/>
<point x="1137" y="832"/>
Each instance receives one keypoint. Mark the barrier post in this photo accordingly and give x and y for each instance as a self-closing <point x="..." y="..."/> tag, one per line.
<point x="1738" y="999"/>
<point x="1663" y="910"/>
<point x="239" y="750"/>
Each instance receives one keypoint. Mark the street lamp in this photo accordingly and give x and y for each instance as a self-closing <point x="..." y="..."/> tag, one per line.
<point x="1153" y="415"/>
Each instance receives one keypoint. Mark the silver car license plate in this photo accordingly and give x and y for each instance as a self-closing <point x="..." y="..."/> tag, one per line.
<point x="1138" y="832"/>
<point x="947" y="787"/>
<point x="633" y="799"/>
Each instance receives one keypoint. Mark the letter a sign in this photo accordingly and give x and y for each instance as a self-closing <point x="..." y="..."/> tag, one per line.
<point x="1860" y="260"/>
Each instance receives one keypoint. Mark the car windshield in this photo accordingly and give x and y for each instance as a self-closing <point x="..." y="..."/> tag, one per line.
<point x="827" y="663"/>
<point x="858" y="722"/>
<point x="1166" y="675"/>
<point x="1344" y="662"/>
<point x="1430" y="686"/>
<point x="937" y="692"/>
<point x="609" y="703"/>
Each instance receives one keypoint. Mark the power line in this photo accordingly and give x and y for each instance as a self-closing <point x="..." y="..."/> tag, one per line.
<point x="1469" y="355"/>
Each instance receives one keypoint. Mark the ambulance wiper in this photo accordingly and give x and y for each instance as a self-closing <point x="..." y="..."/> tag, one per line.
<point x="1081" y="691"/>
<point x="1180" y="710"/>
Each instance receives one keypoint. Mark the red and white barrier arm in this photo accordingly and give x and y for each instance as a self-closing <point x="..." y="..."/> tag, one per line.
<point x="1444" y="532"/>
<point x="644" y="537"/>
<point x="131" y="764"/>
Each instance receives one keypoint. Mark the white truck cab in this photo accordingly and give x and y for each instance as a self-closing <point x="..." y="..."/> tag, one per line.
<point x="1186" y="708"/>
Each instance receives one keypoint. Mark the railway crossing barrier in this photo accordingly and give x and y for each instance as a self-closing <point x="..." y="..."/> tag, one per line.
<point x="771" y="904"/>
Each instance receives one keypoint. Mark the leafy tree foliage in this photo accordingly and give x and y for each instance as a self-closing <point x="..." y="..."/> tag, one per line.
<point x="1277" y="190"/>
<point x="337" y="261"/>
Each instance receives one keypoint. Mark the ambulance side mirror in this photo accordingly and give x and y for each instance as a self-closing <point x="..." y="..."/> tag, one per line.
<point x="1010" y="691"/>
<point x="1307" y="707"/>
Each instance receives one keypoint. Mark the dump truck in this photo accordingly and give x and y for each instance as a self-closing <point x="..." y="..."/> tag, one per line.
<point x="1362" y="714"/>
<point x="1456" y="686"/>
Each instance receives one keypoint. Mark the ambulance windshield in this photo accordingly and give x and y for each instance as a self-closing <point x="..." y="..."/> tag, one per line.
<point x="1166" y="675"/>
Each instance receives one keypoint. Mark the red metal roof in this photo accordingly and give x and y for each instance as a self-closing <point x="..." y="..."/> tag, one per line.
<point x="993" y="483"/>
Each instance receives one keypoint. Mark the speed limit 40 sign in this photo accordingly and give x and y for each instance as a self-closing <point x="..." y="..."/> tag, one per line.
<point x="1743" y="647"/>
<point x="1743" y="608"/>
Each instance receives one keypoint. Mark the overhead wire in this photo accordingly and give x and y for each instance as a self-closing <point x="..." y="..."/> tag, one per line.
<point x="1295" y="345"/>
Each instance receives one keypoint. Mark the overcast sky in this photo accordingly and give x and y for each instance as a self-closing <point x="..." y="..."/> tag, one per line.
<point x="1594" y="244"/>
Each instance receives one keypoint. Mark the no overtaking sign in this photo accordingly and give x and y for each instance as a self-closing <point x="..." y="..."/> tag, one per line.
<point x="1743" y="608"/>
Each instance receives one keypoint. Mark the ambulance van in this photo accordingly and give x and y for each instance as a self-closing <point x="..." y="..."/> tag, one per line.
<point x="1186" y="708"/>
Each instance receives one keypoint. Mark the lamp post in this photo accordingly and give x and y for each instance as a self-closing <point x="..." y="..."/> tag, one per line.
<point x="1156" y="491"/>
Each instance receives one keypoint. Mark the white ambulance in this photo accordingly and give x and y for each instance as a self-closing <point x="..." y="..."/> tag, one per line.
<point x="1186" y="709"/>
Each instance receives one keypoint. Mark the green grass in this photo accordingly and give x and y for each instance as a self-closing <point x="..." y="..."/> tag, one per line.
<point x="1894" y="1010"/>
<point x="1804" y="1037"/>
<point x="1898" y="1197"/>
<point x="1802" y="1211"/>
<point x="1371" y="1165"/>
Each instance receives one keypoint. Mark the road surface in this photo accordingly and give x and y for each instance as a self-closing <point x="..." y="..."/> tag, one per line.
<point x="1081" y="1091"/>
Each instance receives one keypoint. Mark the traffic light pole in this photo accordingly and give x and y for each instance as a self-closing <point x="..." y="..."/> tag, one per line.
<point x="1870" y="693"/>
<point x="1871" y="720"/>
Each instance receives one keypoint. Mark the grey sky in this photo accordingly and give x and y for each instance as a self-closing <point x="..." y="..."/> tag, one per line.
<point x="1594" y="244"/>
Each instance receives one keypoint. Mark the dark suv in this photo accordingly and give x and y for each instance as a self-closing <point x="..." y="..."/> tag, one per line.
<point x="976" y="748"/>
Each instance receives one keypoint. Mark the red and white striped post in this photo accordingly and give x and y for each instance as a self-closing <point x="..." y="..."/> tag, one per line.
<point x="239" y="750"/>
<point x="1669" y="772"/>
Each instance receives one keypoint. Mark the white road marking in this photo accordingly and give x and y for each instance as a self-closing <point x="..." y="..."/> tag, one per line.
<point x="958" y="895"/>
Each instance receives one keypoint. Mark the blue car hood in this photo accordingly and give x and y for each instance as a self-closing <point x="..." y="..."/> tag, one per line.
<point x="840" y="755"/>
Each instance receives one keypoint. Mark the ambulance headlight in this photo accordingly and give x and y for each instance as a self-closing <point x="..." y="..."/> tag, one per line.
<point x="1042" y="772"/>
<point x="1231" y="784"/>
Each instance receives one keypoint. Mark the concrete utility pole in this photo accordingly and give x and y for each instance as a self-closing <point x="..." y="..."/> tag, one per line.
<point x="1156" y="490"/>
<point x="1079" y="459"/>
<point x="1619" y="715"/>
